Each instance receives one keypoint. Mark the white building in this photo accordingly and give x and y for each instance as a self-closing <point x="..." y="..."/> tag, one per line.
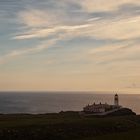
<point x="100" y="108"/>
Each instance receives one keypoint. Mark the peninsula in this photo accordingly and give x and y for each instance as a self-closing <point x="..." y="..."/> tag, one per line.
<point x="106" y="109"/>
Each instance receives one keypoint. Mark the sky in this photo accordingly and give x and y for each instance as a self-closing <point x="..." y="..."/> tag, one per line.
<point x="72" y="45"/>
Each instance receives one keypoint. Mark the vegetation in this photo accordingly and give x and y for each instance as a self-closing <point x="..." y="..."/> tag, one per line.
<point x="68" y="126"/>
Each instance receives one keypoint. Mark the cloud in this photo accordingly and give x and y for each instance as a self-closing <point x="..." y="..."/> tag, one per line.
<point x="38" y="33"/>
<point x="36" y="17"/>
<point x="19" y="52"/>
<point x="125" y="52"/>
<point x="115" y="24"/>
<point x="120" y="29"/>
<point x="102" y="21"/>
<point x="102" y="5"/>
<point x="33" y="18"/>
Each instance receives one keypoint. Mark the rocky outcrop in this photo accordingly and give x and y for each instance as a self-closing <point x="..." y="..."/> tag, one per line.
<point x="122" y="112"/>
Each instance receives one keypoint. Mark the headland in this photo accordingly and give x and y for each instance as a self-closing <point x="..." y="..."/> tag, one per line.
<point x="100" y="122"/>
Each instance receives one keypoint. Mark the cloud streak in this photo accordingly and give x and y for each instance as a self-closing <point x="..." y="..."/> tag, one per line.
<point x="49" y="31"/>
<point x="19" y="52"/>
<point x="111" y="24"/>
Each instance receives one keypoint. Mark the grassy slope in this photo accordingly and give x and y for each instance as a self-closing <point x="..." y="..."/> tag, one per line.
<point x="68" y="126"/>
<point x="129" y="135"/>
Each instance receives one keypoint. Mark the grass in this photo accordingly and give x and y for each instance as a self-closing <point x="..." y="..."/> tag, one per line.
<point x="129" y="135"/>
<point x="68" y="126"/>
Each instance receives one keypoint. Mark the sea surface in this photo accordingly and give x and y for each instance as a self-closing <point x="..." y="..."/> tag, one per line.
<point x="49" y="102"/>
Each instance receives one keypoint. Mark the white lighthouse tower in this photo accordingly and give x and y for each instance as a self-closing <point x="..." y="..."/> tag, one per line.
<point x="116" y="100"/>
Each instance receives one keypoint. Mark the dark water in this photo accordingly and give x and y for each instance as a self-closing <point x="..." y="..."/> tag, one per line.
<point x="29" y="102"/>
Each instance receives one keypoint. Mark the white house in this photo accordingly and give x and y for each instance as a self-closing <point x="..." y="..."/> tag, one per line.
<point x="100" y="108"/>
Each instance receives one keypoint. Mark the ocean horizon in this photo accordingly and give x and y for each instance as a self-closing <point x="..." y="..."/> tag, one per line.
<point x="53" y="102"/>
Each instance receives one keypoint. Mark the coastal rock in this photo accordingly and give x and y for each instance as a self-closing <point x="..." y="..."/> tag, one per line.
<point x="122" y="112"/>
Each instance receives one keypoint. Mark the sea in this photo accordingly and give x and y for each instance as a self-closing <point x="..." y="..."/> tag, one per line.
<point x="53" y="102"/>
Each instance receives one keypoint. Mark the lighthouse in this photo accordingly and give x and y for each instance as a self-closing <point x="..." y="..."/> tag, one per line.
<point x="116" y="100"/>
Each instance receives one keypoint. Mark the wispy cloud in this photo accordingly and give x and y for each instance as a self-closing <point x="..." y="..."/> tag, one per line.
<point x="19" y="52"/>
<point x="116" y="53"/>
<point x="41" y="33"/>
<point x="101" y="5"/>
<point x="111" y="24"/>
<point x="106" y="23"/>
